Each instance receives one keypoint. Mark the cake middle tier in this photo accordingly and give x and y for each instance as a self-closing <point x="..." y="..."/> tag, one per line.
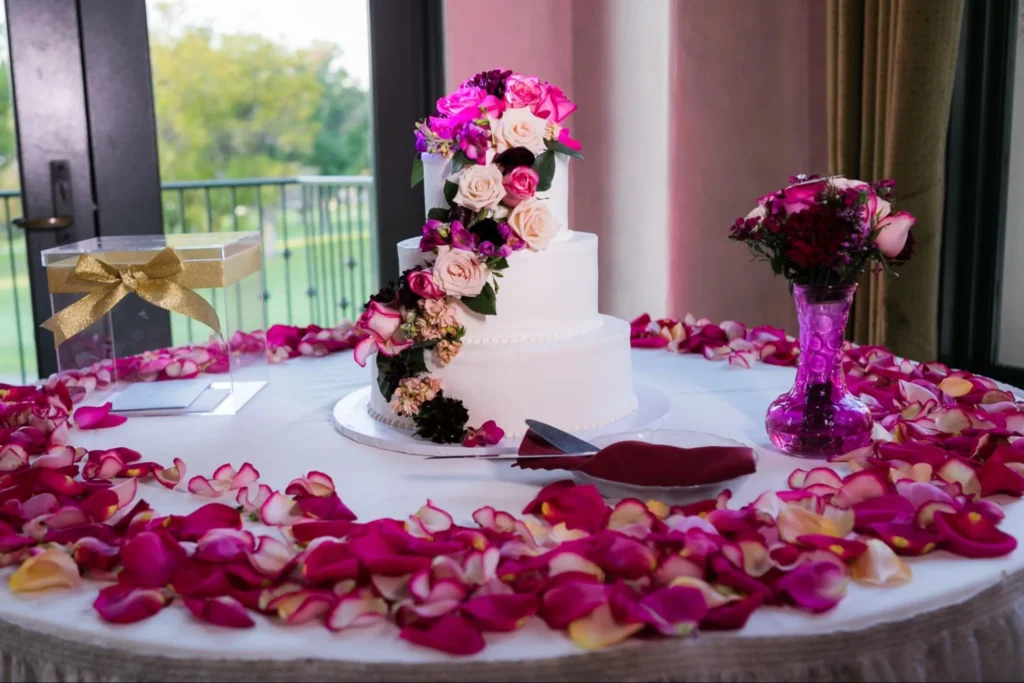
<point x="574" y="384"/>
<point x="547" y="294"/>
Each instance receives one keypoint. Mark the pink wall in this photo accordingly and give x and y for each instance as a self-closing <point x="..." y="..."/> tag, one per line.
<point x="529" y="36"/>
<point x="745" y="108"/>
<point x="749" y="103"/>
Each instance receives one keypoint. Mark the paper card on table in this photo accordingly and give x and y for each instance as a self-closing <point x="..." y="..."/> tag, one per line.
<point x="173" y="395"/>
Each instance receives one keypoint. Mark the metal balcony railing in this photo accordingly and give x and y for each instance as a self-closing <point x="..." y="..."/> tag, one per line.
<point x="319" y="251"/>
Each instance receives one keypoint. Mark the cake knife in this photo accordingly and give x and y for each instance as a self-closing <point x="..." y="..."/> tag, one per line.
<point x="563" y="441"/>
<point x="571" y="446"/>
<point x="509" y="458"/>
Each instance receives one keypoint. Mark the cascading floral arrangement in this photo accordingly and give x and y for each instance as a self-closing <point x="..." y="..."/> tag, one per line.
<point x="827" y="231"/>
<point x="501" y="131"/>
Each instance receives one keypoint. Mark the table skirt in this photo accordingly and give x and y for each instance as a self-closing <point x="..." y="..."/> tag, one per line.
<point x="979" y="639"/>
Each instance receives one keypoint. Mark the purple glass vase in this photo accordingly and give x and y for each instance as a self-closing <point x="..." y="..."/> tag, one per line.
<point x="819" y="417"/>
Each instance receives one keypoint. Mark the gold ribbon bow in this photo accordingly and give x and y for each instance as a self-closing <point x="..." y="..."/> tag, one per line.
<point x="153" y="281"/>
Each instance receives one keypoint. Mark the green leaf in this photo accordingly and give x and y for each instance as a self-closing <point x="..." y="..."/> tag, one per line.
<point x="414" y="362"/>
<point x="497" y="264"/>
<point x="556" y="146"/>
<point x="438" y="214"/>
<point x="544" y="165"/>
<point x="393" y="369"/>
<point x="459" y="159"/>
<point x="417" y="171"/>
<point x="484" y="303"/>
<point x="450" y="189"/>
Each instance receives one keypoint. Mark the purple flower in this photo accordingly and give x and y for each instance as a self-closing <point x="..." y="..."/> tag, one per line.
<point x="487" y="249"/>
<point x="512" y="239"/>
<point x="473" y="140"/>
<point x="462" y="238"/>
<point x="493" y="82"/>
<point x="435" y="235"/>
<point x="421" y="141"/>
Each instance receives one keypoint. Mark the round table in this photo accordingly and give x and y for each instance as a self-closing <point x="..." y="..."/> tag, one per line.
<point x="958" y="619"/>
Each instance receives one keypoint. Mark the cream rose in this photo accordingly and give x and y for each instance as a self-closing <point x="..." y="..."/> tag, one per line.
<point x="480" y="187"/>
<point x="459" y="272"/>
<point x="519" y="128"/>
<point x="534" y="223"/>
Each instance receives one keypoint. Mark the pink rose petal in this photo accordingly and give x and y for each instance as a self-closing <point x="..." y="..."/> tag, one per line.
<point x="97" y="417"/>
<point x="356" y="610"/>
<point x="124" y="604"/>
<point x="220" y="611"/>
<point x="452" y="634"/>
<point x="500" y="612"/>
<point x="171" y="476"/>
<point x="210" y="516"/>
<point x="149" y="559"/>
<point x="970" y="534"/>
<point x="815" y="587"/>
<point x="675" y="611"/>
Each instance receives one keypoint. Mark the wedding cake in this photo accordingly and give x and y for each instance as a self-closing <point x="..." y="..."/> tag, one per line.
<point x="494" y="317"/>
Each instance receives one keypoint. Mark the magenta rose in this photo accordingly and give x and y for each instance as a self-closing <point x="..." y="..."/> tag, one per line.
<point x="555" y="106"/>
<point x="464" y="103"/>
<point x="523" y="91"/>
<point x="520" y="183"/>
<point x="421" y="282"/>
<point x="799" y="197"/>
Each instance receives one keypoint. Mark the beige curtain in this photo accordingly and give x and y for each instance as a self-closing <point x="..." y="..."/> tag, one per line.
<point x="890" y="69"/>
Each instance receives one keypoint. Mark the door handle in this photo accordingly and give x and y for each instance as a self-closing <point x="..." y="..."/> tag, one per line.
<point x="50" y="223"/>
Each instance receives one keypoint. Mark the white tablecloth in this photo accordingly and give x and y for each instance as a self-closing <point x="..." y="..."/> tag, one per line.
<point x="287" y="431"/>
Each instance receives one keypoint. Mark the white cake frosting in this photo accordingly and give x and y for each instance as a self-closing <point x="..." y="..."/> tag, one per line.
<point x="545" y="294"/>
<point x="547" y="353"/>
<point x="437" y="169"/>
<point x="574" y="383"/>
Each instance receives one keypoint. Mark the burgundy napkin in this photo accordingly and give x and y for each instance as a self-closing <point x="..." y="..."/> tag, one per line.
<point x="645" y="464"/>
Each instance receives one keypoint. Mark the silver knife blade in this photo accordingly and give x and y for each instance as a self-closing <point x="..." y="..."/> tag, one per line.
<point x="563" y="441"/>
<point x="479" y="456"/>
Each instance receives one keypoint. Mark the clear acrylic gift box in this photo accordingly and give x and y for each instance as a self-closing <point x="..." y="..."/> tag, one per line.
<point x="136" y="321"/>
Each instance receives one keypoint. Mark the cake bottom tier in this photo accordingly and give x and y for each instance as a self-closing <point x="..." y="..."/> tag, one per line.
<point x="574" y="384"/>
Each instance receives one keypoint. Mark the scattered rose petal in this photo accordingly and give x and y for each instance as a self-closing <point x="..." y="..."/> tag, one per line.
<point x="879" y="566"/>
<point x="49" y="569"/>
<point x="97" y="417"/>
<point x="124" y="604"/>
<point x="223" y="611"/>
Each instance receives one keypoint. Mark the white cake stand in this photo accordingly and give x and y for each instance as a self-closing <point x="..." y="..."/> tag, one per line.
<point x="352" y="418"/>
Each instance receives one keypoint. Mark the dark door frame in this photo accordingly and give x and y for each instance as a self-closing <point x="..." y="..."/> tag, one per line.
<point x="407" y="67"/>
<point x="977" y="175"/>
<point x="83" y="95"/>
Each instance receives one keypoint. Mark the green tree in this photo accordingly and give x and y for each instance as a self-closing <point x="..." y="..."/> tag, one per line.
<point x="242" y="105"/>
<point x="342" y="145"/>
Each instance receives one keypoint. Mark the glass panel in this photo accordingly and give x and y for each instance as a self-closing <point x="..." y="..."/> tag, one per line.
<point x="17" y="341"/>
<point x="263" y="120"/>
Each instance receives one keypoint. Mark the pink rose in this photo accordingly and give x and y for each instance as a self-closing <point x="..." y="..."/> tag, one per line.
<point x="464" y="103"/>
<point x="892" y="233"/>
<point x="797" y="198"/>
<point x="381" y="323"/>
<point x="522" y="91"/>
<point x="459" y="272"/>
<point x="421" y="282"/>
<point x="520" y="183"/>
<point x="555" y="106"/>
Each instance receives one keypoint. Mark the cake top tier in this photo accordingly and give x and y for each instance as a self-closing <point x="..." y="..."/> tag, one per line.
<point x="495" y="155"/>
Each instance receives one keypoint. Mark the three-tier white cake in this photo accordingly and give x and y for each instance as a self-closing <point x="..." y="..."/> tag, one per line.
<point x="547" y="353"/>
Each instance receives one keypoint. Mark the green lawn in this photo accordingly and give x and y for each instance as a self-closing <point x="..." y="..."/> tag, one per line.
<point x="319" y="254"/>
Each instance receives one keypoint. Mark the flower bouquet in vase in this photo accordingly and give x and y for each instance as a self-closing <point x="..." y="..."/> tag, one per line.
<point x="821" y="234"/>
